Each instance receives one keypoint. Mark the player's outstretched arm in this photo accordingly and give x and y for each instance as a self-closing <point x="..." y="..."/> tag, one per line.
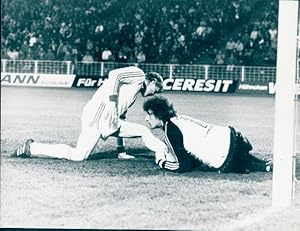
<point x="174" y="139"/>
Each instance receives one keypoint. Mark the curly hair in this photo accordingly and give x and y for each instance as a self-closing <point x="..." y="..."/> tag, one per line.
<point x="161" y="107"/>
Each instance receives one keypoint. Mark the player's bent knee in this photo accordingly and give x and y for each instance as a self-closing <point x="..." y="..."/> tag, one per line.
<point x="76" y="155"/>
<point x="77" y="158"/>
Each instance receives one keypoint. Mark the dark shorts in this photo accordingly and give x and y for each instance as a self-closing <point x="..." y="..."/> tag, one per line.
<point x="239" y="148"/>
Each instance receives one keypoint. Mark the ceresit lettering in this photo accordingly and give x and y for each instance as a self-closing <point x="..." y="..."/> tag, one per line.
<point x="200" y="85"/>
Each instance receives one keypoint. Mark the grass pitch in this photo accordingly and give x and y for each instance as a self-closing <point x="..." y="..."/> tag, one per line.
<point x="106" y="193"/>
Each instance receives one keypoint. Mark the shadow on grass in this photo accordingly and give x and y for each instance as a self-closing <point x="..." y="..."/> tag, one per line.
<point x="143" y="165"/>
<point x="137" y="152"/>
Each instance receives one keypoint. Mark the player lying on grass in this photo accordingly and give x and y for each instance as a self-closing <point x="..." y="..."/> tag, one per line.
<point x="193" y="143"/>
<point x="104" y="116"/>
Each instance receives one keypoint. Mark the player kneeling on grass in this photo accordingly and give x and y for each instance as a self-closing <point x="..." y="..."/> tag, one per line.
<point x="104" y="116"/>
<point x="193" y="143"/>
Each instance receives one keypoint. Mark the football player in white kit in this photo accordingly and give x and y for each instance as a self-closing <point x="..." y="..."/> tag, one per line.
<point x="103" y="116"/>
<point x="193" y="143"/>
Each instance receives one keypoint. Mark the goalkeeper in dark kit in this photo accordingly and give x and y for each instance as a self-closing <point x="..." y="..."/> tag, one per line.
<point x="196" y="144"/>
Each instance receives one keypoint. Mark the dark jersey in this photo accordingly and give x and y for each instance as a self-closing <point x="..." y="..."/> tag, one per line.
<point x="192" y="142"/>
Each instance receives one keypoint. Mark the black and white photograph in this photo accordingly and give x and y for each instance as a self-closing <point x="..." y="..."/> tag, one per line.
<point x="150" y="115"/>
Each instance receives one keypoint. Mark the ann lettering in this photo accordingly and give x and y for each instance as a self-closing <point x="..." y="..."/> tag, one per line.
<point x="11" y="79"/>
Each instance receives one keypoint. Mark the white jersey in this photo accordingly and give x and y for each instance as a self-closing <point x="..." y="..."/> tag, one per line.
<point x="206" y="142"/>
<point x="126" y="83"/>
<point x="97" y="122"/>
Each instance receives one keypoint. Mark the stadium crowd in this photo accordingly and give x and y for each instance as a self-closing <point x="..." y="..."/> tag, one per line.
<point x="223" y="32"/>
